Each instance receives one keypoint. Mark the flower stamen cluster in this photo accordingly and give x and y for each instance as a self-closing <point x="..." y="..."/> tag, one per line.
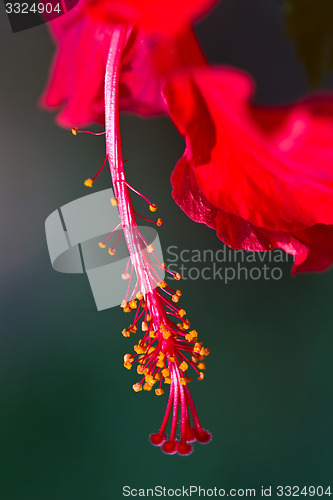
<point x="168" y="348"/>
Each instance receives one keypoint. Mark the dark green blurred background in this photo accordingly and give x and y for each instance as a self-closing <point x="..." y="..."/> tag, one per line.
<point x="71" y="428"/>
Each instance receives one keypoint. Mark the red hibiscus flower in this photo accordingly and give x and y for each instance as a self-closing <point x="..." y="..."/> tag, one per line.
<point x="261" y="177"/>
<point x="76" y="82"/>
<point x="133" y="66"/>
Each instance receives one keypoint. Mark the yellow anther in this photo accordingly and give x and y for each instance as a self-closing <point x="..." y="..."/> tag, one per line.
<point x="160" y="364"/>
<point x="159" y="392"/>
<point x="188" y="380"/>
<point x="114" y="202"/>
<point x="133" y="304"/>
<point x="150" y="380"/>
<point x="144" y="326"/>
<point x="127" y="309"/>
<point x="150" y="248"/>
<point x="167" y="380"/>
<point x="186" y="324"/>
<point x="178" y="276"/>
<point x="162" y="284"/>
<point x="153" y="207"/>
<point x="175" y="298"/>
<point x="166" y="335"/>
<point x="101" y="244"/>
<point x="140" y="369"/>
<point x="195" y="358"/>
<point x="163" y="328"/>
<point x="182" y="312"/>
<point x="183" y="366"/>
<point x="74" y="130"/>
<point x="112" y="251"/>
<point x="148" y="317"/>
<point x="165" y="372"/>
<point x="157" y="376"/>
<point x="179" y="293"/>
<point x="128" y="365"/>
<point x="182" y="381"/>
<point x="88" y="183"/>
<point x="125" y="276"/>
<point x="202" y="366"/>
<point x="147" y="387"/>
<point x="151" y="349"/>
<point x="140" y="348"/>
<point x="132" y="328"/>
<point x="192" y="335"/>
<point x="161" y="355"/>
<point x="201" y="376"/>
<point x="204" y="352"/>
<point x="152" y="334"/>
<point x="128" y="357"/>
<point x="124" y="304"/>
<point x="126" y="333"/>
<point x="139" y="295"/>
<point x="171" y="358"/>
<point x="164" y="265"/>
<point x="197" y="347"/>
<point x="137" y="387"/>
<point x="159" y="222"/>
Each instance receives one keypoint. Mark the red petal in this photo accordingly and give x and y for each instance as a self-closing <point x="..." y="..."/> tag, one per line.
<point x="77" y="74"/>
<point x="147" y="61"/>
<point x="312" y="248"/>
<point x="233" y="230"/>
<point x="319" y="256"/>
<point x="279" y="179"/>
<point x="260" y="177"/>
<point x="77" y="77"/>
<point x="151" y="15"/>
